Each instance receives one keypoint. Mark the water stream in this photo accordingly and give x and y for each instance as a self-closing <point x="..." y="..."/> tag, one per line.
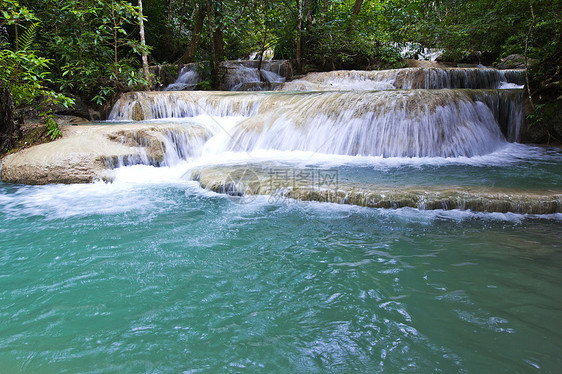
<point x="153" y="273"/>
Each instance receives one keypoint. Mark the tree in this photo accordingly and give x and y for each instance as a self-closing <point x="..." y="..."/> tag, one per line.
<point x="201" y="13"/>
<point x="93" y="45"/>
<point x="143" y="44"/>
<point x="298" y="53"/>
<point x="7" y="125"/>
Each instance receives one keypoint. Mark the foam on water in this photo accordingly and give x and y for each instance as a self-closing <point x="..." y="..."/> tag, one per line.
<point x="417" y="215"/>
<point x="130" y="191"/>
<point x="135" y="188"/>
<point x="138" y="189"/>
<point x="510" y="153"/>
<point x="509" y="86"/>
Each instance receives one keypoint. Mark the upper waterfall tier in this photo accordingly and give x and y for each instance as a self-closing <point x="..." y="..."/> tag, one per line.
<point x="187" y="80"/>
<point x="401" y="123"/>
<point x="245" y="75"/>
<point x="240" y="75"/>
<point x="427" y="78"/>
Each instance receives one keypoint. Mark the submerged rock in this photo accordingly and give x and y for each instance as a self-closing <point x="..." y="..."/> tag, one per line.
<point x="238" y="181"/>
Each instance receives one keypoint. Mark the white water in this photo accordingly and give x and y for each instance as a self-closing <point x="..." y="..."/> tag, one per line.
<point x="187" y="80"/>
<point x="461" y="128"/>
<point x="409" y="123"/>
<point x="128" y="193"/>
<point x="380" y="129"/>
<point x="410" y="78"/>
<point x="410" y="50"/>
<point x="248" y="78"/>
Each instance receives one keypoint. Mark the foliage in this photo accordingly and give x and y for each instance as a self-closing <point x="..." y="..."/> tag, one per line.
<point x="24" y="72"/>
<point x="469" y="29"/>
<point x="339" y="39"/>
<point x="90" y="48"/>
<point x="93" y="44"/>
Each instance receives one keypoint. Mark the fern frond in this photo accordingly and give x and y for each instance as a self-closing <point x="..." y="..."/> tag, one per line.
<point x="26" y="39"/>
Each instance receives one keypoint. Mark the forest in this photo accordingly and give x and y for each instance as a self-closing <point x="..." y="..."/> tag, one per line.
<point x="55" y="52"/>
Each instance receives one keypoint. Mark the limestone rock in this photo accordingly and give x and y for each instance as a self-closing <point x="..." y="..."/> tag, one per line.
<point x="238" y="182"/>
<point x="86" y="152"/>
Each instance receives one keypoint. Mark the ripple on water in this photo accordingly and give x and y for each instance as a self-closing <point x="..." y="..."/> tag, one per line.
<point x="167" y="277"/>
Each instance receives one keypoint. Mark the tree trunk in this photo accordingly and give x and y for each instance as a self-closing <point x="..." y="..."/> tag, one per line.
<point x="218" y="34"/>
<point x="195" y="35"/>
<point x="264" y="40"/>
<point x="534" y="19"/>
<point x="169" y="8"/>
<point x="7" y="125"/>
<point x="357" y="7"/>
<point x="262" y="48"/>
<point x="299" y="29"/>
<point x="308" y="14"/>
<point x="324" y="9"/>
<point x="355" y="12"/>
<point x="143" y="44"/>
<point x="214" y="62"/>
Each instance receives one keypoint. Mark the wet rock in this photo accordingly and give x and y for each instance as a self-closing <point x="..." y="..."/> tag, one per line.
<point x="514" y="61"/>
<point x="86" y="152"/>
<point x="258" y="180"/>
<point x="245" y="76"/>
<point x="137" y="112"/>
<point x="70" y="120"/>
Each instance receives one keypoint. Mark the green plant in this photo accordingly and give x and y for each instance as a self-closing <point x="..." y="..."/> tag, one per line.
<point x="53" y="129"/>
<point x="24" y="72"/>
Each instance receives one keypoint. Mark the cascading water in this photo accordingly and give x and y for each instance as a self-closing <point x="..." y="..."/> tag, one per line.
<point x="246" y="76"/>
<point x="187" y="80"/>
<point x="176" y="266"/>
<point x="403" y="123"/>
<point x="411" y="78"/>
<point x="416" y="113"/>
<point x="388" y="124"/>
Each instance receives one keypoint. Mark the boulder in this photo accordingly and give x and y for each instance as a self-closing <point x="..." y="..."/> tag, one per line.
<point x="514" y="61"/>
<point x="86" y="153"/>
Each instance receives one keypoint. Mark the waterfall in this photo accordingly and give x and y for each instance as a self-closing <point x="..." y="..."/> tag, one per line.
<point x="140" y="106"/>
<point x="187" y="80"/>
<point x="414" y="123"/>
<point x="410" y="78"/>
<point x="164" y="145"/>
<point x="401" y="123"/>
<point x="245" y="75"/>
<point x="413" y="114"/>
<point x="182" y="146"/>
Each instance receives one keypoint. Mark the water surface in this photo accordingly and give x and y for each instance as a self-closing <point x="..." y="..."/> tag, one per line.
<point x="158" y="275"/>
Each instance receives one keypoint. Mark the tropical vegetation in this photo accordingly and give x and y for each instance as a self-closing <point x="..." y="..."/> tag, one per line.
<point x="54" y="51"/>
